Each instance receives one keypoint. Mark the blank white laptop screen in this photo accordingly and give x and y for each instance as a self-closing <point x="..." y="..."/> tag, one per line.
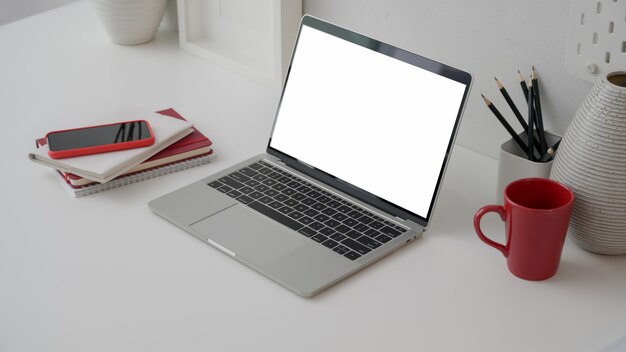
<point x="374" y="121"/>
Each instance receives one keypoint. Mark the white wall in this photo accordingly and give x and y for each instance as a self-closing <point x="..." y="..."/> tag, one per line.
<point x="13" y="10"/>
<point x="485" y="37"/>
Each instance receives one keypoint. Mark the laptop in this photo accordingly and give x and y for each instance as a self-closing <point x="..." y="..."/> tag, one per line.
<point x="352" y="169"/>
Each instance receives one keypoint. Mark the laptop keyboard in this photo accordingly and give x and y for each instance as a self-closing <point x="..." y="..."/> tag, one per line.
<point x="337" y="224"/>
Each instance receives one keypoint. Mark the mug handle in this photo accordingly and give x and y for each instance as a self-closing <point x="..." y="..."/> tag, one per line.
<point x="479" y="215"/>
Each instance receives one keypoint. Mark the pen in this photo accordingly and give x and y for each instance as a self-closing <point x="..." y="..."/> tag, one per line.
<point x="506" y="125"/>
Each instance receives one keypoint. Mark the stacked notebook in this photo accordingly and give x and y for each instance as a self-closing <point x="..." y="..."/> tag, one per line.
<point x="178" y="146"/>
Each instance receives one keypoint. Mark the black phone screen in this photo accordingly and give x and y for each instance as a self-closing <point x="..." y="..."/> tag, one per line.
<point x="98" y="135"/>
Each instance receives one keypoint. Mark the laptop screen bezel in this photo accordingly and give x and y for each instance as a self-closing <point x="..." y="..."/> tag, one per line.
<point x="402" y="55"/>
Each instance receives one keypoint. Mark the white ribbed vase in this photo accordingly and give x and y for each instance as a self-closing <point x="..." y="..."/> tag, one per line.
<point x="591" y="160"/>
<point x="130" y="22"/>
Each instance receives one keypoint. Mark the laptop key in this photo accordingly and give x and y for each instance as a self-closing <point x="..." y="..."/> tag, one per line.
<point x="266" y="199"/>
<point x="341" y="249"/>
<point x="234" y="194"/>
<point x="383" y="239"/>
<point x="316" y="225"/>
<point x="285" y="209"/>
<point x="350" y="222"/>
<point x="332" y="223"/>
<point x="372" y="233"/>
<point x="259" y="177"/>
<point x="246" y="190"/>
<point x="338" y="237"/>
<point x="307" y="231"/>
<point x="318" y="237"/>
<point x="368" y="242"/>
<point x="255" y="194"/>
<point x="355" y="214"/>
<point x="327" y="231"/>
<point x="353" y="234"/>
<point x="269" y="182"/>
<point x="296" y="215"/>
<point x="248" y="171"/>
<point x="230" y="182"/>
<point x="298" y="196"/>
<point x="216" y="184"/>
<point x="283" y="219"/>
<point x="291" y="202"/>
<point x="239" y="176"/>
<point x="340" y="217"/>
<point x="333" y="204"/>
<point x="255" y="166"/>
<point x="279" y="187"/>
<point x="342" y="228"/>
<point x="376" y="224"/>
<point x="271" y="193"/>
<point x="275" y="204"/>
<point x="253" y="183"/>
<point x="311" y="212"/>
<point x="329" y="243"/>
<point x="361" y="227"/>
<point x="344" y="209"/>
<point x="264" y="171"/>
<point x="390" y="231"/>
<point x="352" y="255"/>
<point x="225" y="189"/>
<point x="329" y="211"/>
<point x="308" y="201"/>
<point x="355" y="246"/>
<point x="261" y="188"/>
<point x="281" y="197"/>
<point x="323" y="199"/>
<point x="245" y="199"/>
<point x="365" y="219"/>
<point x="306" y="220"/>
<point x="321" y="217"/>
<point x="301" y="207"/>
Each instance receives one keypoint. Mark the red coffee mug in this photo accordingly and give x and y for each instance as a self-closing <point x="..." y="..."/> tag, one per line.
<point x="536" y="213"/>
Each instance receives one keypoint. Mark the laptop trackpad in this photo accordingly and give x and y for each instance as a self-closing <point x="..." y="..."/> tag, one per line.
<point x="251" y="236"/>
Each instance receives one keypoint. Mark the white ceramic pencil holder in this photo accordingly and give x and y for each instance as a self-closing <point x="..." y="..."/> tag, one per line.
<point x="513" y="164"/>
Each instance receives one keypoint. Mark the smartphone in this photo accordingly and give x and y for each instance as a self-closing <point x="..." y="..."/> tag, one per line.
<point x="99" y="139"/>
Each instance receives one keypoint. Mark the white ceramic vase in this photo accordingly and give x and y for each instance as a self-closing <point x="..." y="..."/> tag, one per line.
<point x="130" y="22"/>
<point x="591" y="160"/>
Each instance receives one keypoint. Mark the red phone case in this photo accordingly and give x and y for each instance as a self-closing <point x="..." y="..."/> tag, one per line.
<point x="60" y="154"/>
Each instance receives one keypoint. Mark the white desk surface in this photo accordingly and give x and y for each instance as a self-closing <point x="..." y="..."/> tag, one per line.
<point x="102" y="273"/>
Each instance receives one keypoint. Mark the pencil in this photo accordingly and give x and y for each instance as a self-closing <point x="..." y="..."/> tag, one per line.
<point x="539" y="116"/>
<point x="509" y="101"/>
<point x="506" y="125"/>
<point x="551" y="151"/>
<point x="521" y="120"/>
<point x="522" y="83"/>
<point x="531" y="122"/>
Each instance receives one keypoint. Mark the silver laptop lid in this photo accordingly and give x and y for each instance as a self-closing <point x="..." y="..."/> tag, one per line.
<point x="370" y="119"/>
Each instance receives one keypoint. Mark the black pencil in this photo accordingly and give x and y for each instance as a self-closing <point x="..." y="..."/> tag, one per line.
<point x="522" y="83"/>
<point x="509" y="101"/>
<point x="521" y="120"/>
<point x="551" y="151"/>
<point x="539" y="116"/>
<point x="531" y="122"/>
<point x="506" y="125"/>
